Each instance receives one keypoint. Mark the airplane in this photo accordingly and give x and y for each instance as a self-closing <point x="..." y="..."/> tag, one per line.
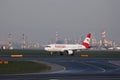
<point x="70" y="49"/>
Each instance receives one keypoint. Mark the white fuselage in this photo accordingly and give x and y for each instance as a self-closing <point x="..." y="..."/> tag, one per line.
<point x="69" y="48"/>
<point x="63" y="47"/>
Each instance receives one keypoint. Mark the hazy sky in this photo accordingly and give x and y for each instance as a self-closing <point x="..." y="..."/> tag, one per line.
<point x="40" y="19"/>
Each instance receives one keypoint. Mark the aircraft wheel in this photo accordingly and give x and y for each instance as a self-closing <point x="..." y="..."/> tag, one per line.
<point x="61" y="54"/>
<point x="72" y="54"/>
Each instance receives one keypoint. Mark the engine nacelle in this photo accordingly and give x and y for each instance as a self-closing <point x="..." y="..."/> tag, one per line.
<point x="68" y="52"/>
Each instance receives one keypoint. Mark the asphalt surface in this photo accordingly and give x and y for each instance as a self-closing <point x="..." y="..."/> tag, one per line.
<point x="73" y="69"/>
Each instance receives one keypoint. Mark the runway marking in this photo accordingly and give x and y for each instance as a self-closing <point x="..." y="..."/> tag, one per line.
<point x="100" y="68"/>
<point x="55" y="67"/>
<point x="117" y="63"/>
<point x="85" y="63"/>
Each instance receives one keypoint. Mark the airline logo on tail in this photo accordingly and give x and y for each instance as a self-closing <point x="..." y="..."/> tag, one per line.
<point x="86" y="42"/>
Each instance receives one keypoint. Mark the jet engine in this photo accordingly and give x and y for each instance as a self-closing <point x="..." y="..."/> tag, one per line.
<point x="70" y="52"/>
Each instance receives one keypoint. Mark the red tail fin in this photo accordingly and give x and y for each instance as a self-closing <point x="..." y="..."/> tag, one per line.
<point x="86" y="42"/>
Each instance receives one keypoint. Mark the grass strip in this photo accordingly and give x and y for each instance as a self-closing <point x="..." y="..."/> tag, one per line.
<point x="20" y="67"/>
<point x="43" y="54"/>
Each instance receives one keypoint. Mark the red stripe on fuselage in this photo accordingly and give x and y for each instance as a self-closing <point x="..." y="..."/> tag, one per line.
<point x="60" y="46"/>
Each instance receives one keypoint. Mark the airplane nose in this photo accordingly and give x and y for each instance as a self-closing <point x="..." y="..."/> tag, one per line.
<point x="46" y="49"/>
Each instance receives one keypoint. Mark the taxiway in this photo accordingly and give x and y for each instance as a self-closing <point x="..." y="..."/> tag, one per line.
<point x="72" y="69"/>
